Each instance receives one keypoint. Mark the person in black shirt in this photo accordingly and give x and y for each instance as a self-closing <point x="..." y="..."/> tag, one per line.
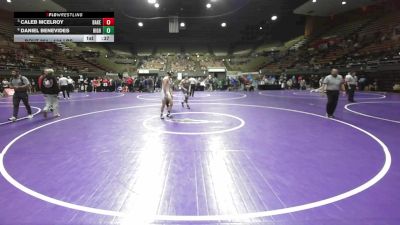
<point x="50" y="89"/>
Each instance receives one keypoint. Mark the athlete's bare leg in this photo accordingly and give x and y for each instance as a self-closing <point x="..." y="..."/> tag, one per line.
<point x="169" y="106"/>
<point x="163" y="103"/>
<point x="186" y="100"/>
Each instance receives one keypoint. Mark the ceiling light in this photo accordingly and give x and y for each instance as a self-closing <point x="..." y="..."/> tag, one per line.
<point x="182" y="24"/>
<point x="314" y="1"/>
<point x="274" y="17"/>
<point x="9" y="1"/>
<point x="223" y="24"/>
<point x="208" y="5"/>
<point x="260" y="28"/>
<point x="140" y="24"/>
<point x="344" y="2"/>
<point x="156" y="5"/>
<point x="151" y="1"/>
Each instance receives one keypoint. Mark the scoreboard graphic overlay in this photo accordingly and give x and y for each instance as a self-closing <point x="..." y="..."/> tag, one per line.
<point x="64" y="26"/>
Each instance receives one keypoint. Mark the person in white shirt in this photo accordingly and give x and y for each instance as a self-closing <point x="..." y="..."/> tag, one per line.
<point x="303" y="84"/>
<point x="333" y="83"/>
<point x="193" y="83"/>
<point x="81" y="83"/>
<point x="63" y="82"/>
<point x="71" y="84"/>
<point x="352" y="84"/>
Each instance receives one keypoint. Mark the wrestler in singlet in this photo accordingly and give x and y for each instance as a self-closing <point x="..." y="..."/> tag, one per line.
<point x="185" y="86"/>
<point x="166" y="95"/>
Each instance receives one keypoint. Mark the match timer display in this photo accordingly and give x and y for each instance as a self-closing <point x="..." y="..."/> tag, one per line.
<point x="64" y="26"/>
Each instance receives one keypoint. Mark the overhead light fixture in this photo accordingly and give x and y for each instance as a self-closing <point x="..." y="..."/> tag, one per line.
<point x="9" y="1"/>
<point x="140" y="24"/>
<point x="261" y="28"/>
<point x="151" y="1"/>
<point x="156" y="5"/>
<point x="314" y="1"/>
<point x="344" y="2"/>
<point x="273" y="18"/>
<point x="208" y="5"/>
<point x="223" y="24"/>
<point x="182" y="24"/>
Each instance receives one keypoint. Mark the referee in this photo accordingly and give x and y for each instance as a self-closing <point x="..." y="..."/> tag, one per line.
<point x="20" y="84"/>
<point x="351" y="82"/>
<point x="333" y="83"/>
<point x="193" y="83"/>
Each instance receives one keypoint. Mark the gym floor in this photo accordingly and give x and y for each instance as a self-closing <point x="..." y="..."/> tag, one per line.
<point x="268" y="157"/>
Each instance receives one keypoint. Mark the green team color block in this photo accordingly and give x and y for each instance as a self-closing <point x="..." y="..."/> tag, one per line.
<point x="108" y="30"/>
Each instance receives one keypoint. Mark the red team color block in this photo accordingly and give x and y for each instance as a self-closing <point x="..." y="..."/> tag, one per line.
<point x="108" y="22"/>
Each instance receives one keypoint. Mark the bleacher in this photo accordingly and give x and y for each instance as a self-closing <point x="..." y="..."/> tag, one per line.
<point x="6" y="29"/>
<point x="75" y="63"/>
<point x="156" y="62"/>
<point x="383" y="26"/>
<point x="210" y="61"/>
<point x="366" y="36"/>
<point x="346" y="29"/>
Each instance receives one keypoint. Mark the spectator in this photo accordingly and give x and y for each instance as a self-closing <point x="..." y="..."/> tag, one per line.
<point x="303" y="84"/>
<point x="396" y="87"/>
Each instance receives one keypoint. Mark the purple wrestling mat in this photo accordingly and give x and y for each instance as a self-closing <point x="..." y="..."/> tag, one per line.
<point x="266" y="157"/>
